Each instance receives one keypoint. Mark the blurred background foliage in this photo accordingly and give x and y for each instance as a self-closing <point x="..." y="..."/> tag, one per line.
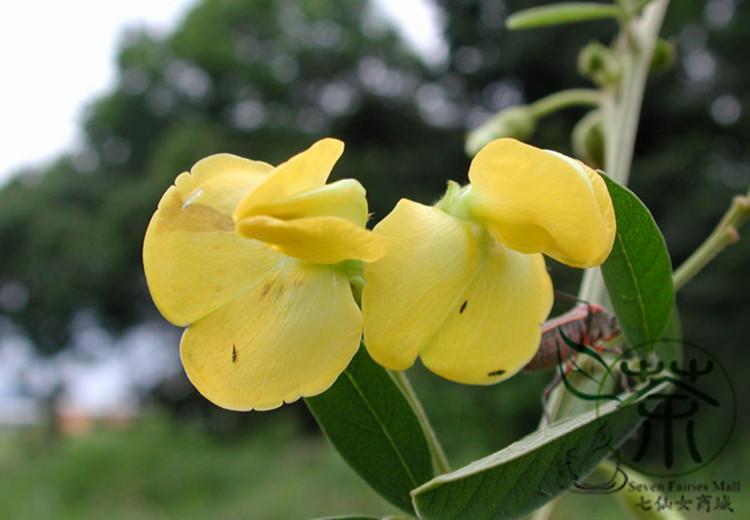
<point x="264" y="79"/>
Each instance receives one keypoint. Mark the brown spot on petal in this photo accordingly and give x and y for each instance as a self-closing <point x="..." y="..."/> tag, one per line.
<point x="195" y="218"/>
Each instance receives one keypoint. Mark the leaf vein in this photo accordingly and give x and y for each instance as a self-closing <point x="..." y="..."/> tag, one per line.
<point x="383" y="429"/>
<point x="638" y="292"/>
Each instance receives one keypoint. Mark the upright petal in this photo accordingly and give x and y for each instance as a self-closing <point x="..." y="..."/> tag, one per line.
<point x="222" y="180"/>
<point x="321" y="240"/>
<point x="305" y="171"/>
<point x="447" y="291"/>
<point x="193" y="260"/>
<point x="535" y="201"/>
<point x="288" y="337"/>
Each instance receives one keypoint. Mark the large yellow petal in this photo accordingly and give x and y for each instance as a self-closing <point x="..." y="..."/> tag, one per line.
<point x="447" y="291"/>
<point x="193" y="260"/>
<point x="345" y="199"/>
<point x="321" y="240"/>
<point x="497" y="328"/>
<point x="290" y="336"/>
<point x="305" y="171"/>
<point x="535" y="200"/>
<point x="410" y="290"/>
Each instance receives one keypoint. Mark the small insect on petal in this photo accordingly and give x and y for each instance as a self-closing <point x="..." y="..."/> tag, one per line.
<point x="234" y="353"/>
<point x="463" y="307"/>
<point x="496" y="373"/>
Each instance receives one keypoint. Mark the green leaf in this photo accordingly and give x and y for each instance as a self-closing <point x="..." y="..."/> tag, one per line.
<point x="638" y="272"/>
<point x="374" y="428"/>
<point x="524" y="476"/>
<point x="671" y="347"/>
<point x="562" y="13"/>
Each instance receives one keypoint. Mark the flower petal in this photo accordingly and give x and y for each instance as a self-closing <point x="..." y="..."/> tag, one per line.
<point x="412" y="288"/>
<point x="224" y="180"/>
<point x="345" y="199"/>
<point x="321" y="240"/>
<point x="290" y="336"/>
<point x="496" y="330"/>
<point x="193" y="260"/>
<point x="448" y="292"/>
<point x="305" y="171"/>
<point x="535" y="200"/>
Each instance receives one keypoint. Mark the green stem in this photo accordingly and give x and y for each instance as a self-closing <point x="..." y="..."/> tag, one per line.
<point x="726" y="233"/>
<point x="637" y="42"/>
<point x="438" y="455"/>
<point x="621" y="108"/>
<point x="564" y="99"/>
<point x="640" y="6"/>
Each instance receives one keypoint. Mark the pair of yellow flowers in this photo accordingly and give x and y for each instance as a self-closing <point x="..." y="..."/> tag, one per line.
<point x="258" y="261"/>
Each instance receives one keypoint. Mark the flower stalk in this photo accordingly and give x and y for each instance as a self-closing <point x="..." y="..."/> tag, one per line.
<point x="440" y="461"/>
<point x="564" y="99"/>
<point x="725" y="234"/>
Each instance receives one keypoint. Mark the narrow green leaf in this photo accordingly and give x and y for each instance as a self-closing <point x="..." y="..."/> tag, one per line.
<point x="638" y="272"/>
<point x="562" y="13"/>
<point x="524" y="476"/>
<point x="372" y="425"/>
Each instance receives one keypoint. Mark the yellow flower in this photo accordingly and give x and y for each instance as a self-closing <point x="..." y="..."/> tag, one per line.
<point x="249" y="257"/>
<point x="464" y="285"/>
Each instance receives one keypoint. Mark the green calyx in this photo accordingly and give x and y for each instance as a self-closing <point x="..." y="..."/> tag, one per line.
<point x="457" y="201"/>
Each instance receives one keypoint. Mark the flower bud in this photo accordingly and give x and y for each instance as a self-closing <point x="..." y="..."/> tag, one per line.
<point x="589" y="139"/>
<point x="664" y="56"/>
<point x="516" y="122"/>
<point x="599" y="64"/>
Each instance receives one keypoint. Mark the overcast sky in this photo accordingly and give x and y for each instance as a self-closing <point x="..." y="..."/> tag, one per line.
<point x="59" y="55"/>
